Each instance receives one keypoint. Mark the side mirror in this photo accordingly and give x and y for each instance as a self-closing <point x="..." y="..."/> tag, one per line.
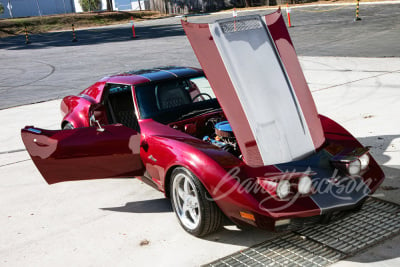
<point x="99" y="128"/>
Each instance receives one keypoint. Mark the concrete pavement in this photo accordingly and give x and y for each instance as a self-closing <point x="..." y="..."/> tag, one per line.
<point x="108" y="222"/>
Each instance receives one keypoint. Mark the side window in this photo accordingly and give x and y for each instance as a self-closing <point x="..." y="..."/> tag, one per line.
<point x="200" y="89"/>
<point x="119" y="105"/>
<point x="172" y="94"/>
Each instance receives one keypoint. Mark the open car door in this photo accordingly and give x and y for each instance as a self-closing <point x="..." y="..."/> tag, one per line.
<point x="84" y="153"/>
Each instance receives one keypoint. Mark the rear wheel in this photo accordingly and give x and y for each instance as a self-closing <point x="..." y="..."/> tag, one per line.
<point x="68" y="126"/>
<point x="197" y="214"/>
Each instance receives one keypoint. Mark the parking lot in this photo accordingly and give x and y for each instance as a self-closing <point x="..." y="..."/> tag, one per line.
<point x="353" y="70"/>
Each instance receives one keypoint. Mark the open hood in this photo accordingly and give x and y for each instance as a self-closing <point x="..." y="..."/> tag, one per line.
<point x="254" y="71"/>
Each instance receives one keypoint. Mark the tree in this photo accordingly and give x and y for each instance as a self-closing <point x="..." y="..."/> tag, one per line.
<point x="1" y="9"/>
<point x="90" y="5"/>
<point x="109" y="5"/>
<point x="140" y="6"/>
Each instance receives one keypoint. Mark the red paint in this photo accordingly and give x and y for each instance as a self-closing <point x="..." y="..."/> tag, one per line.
<point x="75" y="110"/>
<point x="95" y="91"/>
<point x="84" y="153"/>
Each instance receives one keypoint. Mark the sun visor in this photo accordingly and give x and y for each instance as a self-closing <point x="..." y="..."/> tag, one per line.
<point x="272" y="122"/>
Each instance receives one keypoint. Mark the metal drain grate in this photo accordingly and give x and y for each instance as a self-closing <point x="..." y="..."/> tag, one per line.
<point x="286" y="250"/>
<point x="376" y="221"/>
<point x="322" y="245"/>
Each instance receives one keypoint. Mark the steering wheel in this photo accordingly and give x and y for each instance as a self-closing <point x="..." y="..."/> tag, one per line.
<point x="201" y="94"/>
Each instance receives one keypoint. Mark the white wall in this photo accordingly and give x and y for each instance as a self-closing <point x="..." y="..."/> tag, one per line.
<point x="27" y="8"/>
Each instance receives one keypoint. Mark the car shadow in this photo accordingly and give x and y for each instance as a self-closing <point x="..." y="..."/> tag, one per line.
<point x="95" y="36"/>
<point x="228" y="234"/>
<point x="382" y="148"/>
<point x="246" y="238"/>
<point x="379" y="145"/>
<point x="158" y="205"/>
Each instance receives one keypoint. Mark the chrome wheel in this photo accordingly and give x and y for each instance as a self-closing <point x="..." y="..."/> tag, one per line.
<point x="196" y="211"/>
<point x="186" y="201"/>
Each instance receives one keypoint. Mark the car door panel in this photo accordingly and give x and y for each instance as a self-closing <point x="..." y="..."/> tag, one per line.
<point x="84" y="153"/>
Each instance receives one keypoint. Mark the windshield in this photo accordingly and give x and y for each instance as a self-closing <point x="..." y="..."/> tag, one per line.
<point x="173" y="100"/>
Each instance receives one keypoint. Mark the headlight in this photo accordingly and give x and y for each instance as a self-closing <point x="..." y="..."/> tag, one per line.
<point x="283" y="189"/>
<point x="352" y="162"/>
<point x="304" y="186"/>
<point x="364" y="159"/>
<point x="354" y="167"/>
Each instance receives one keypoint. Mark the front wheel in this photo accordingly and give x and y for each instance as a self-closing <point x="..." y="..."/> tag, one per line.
<point x="197" y="214"/>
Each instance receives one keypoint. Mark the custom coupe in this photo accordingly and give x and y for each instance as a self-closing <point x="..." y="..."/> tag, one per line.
<point x="241" y="140"/>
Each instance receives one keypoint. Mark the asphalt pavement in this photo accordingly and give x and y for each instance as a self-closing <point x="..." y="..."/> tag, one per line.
<point x="53" y="66"/>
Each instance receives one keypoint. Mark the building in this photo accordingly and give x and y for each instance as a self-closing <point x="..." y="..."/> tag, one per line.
<point x="31" y="8"/>
<point x="117" y="5"/>
<point x="28" y="8"/>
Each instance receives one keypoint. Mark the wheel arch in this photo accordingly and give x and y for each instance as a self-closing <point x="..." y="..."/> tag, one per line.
<point x="168" y="176"/>
<point x="206" y="177"/>
<point x="167" y="179"/>
<point x="212" y="166"/>
<point x="75" y="110"/>
<point x="65" y="122"/>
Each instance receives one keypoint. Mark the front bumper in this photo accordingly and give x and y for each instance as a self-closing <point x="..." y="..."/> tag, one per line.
<point x="296" y="223"/>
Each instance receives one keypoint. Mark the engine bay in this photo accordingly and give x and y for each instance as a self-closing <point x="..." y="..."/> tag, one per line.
<point x="223" y="137"/>
<point x="214" y="129"/>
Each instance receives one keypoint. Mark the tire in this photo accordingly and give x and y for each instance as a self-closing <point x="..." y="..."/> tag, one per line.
<point x="196" y="213"/>
<point x="68" y="126"/>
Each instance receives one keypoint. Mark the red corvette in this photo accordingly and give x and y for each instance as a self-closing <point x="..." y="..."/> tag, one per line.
<point x="246" y="142"/>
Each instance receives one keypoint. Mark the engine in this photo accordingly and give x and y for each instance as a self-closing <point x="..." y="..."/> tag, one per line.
<point x="222" y="137"/>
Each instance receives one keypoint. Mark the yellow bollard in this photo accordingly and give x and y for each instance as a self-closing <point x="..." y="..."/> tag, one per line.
<point x="73" y="34"/>
<point x="27" y="36"/>
<point x="357" y="18"/>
